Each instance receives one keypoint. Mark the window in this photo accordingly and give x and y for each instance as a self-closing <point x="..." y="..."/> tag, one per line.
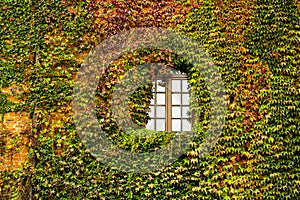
<point x="169" y="109"/>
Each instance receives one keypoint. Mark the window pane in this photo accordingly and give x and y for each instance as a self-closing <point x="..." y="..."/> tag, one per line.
<point x="150" y="125"/>
<point x="185" y="99"/>
<point x="176" y="125"/>
<point x="176" y="86"/>
<point x="160" y="84"/>
<point x="160" y="99"/>
<point x="176" y="99"/>
<point x="160" y="125"/>
<point x="151" y="113"/>
<point x="186" y="125"/>
<point x="185" y="112"/>
<point x="185" y="86"/>
<point x="152" y="102"/>
<point x="160" y="112"/>
<point x="176" y="112"/>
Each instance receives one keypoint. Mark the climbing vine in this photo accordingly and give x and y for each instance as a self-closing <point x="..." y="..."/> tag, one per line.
<point x="254" y="45"/>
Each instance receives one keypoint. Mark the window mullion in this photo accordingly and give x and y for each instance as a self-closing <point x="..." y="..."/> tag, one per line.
<point x="168" y="105"/>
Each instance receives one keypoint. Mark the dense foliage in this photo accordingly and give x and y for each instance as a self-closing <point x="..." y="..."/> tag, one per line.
<point x="254" y="44"/>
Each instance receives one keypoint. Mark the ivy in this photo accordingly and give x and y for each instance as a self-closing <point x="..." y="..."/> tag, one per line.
<point x="255" y="46"/>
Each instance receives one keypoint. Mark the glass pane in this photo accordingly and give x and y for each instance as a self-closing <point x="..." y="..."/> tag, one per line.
<point x="160" y="99"/>
<point x="185" y="99"/>
<point x="176" y="125"/>
<point x="176" y="112"/>
<point x="185" y="112"/>
<point x="150" y="125"/>
<point x="176" y="86"/>
<point x="185" y="86"/>
<point x="161" y="85"/>
<point x="176" y="99"/>
<point x="160" y="112"/>
<point x="151" y="113"/>
<point x="152" y="102"/>
<point x="160" y="125"/>
<point x="186" y="125"/>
